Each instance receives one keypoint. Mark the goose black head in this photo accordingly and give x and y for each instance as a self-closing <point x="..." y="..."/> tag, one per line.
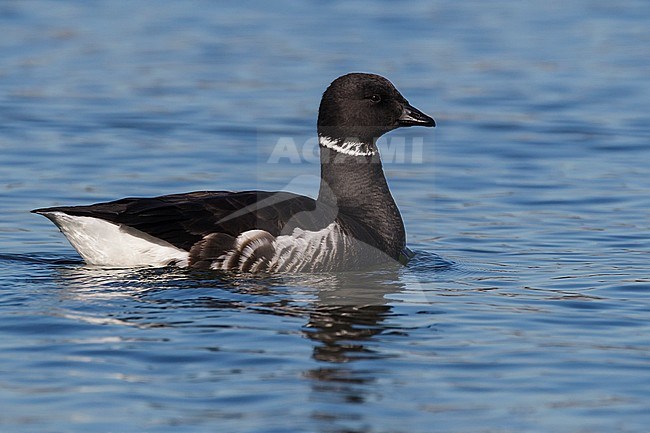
<point x="362" y="107"/>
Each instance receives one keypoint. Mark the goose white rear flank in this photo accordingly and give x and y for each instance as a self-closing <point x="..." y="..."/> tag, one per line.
<point x="353" y="224"/>
<point x="101" y="242"/>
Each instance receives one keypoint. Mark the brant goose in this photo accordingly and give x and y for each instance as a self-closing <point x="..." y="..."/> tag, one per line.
<point x="353" y="224"/>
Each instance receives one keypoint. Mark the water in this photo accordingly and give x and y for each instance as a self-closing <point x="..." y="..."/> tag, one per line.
<point x="525" y="309"/>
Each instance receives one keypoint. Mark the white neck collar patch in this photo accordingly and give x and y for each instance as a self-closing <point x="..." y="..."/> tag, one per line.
<point x="347" y="147"/>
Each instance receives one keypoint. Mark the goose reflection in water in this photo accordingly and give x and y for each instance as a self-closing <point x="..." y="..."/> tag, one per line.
<point x="342" y="310"/>
<point x="342" y="314"/>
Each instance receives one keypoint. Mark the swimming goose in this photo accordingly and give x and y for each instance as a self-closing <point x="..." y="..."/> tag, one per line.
<point x="353" y="224"/>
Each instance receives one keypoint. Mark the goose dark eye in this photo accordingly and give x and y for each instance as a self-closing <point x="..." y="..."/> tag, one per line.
<point x="375" y="98"/>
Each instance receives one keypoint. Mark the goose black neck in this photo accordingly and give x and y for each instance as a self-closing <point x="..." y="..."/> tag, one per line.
<point x="357" y="187"/>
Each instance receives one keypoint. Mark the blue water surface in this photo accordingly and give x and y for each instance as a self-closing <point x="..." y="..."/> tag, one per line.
<point x="525" y="309"/>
